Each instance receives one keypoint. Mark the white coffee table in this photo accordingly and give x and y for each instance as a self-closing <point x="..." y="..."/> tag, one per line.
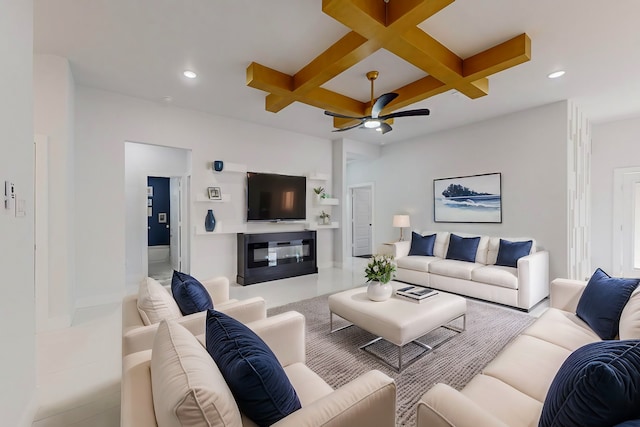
<point x="397" y="320"/>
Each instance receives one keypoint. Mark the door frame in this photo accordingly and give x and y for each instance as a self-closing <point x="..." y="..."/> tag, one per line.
<point x="619" y="217"/>
<point x="350" y="188"/>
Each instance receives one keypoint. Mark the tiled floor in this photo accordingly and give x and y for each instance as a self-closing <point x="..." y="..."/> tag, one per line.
<point x="79" y="368"/>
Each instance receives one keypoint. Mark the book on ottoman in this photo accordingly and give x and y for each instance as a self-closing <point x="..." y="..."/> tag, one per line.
<point x="416" y="293"/>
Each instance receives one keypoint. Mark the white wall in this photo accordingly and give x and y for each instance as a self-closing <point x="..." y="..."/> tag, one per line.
<point x="529" y="148"/>
<point x="141" y="161"/>
<point x="104" y="121"/>
<point x="17" y="305"/>
<point x="53" y="90"/>
<point x="614" y="145"/>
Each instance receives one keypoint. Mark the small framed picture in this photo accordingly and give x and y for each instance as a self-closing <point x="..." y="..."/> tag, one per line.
<point x="149" y="211"/>
<point x="162" y="218"/>
<point x="149" y="202"/>
<point x="214" y="193"/>
<point x="150" y="191"/>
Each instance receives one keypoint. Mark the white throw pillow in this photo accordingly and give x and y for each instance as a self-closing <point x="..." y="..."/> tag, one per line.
<point x="188" y="388"/>
<point x="630" y="318"/>
<point x="155" y="303"/>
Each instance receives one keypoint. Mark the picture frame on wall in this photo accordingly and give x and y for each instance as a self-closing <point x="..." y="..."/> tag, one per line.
<point x="214" y="193"/>
<point x="149" y="191"/>
<point x="149" y="202"/>
<point x="162" y="218"/>
<point x="473" y="198"/>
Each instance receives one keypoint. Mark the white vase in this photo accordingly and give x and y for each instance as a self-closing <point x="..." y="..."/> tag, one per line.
<point x="377" y="291"/>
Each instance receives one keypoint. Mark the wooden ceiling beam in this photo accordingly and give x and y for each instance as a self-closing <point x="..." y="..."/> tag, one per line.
<point x="498" y="58"/>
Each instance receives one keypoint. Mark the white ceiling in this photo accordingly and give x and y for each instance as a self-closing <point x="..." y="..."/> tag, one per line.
<point x="140" y="48"/>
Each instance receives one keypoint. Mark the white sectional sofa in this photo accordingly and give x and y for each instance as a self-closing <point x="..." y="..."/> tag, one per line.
<point x="511" y="390"/>
<point x="521" y="287"/>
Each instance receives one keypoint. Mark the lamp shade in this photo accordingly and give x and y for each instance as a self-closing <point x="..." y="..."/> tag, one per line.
<point x="401" y="221"/>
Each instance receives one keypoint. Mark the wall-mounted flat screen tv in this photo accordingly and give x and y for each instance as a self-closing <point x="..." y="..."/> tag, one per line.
<point x="273" y="197"/>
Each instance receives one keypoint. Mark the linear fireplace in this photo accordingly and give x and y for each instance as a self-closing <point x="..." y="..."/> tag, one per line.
<point x="270" y="256"/>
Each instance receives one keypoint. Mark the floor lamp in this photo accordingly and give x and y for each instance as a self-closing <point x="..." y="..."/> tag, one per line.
<point x="401" y="221"/>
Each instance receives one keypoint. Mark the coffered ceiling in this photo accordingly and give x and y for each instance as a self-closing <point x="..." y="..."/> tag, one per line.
<point x="140" y="48"/>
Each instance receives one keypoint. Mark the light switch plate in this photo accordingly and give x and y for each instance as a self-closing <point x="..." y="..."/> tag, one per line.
<point x="9" y="195"/>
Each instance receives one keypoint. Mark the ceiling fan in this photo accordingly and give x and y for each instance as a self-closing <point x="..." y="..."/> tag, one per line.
<point x="375" y="121"/>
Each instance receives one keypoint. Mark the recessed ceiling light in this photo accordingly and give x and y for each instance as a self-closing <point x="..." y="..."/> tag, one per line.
<point x="556" y="74"/>
<point x="189" y="74"/>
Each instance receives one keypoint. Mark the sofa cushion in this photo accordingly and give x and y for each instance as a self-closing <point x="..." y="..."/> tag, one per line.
<point x="598" y="385"/>
<point x="510" y="252"/>
<point x="155" y="303"/>
<point x="415" y="262"/>
<point x="422" y="245"/>
<point x="187" y="387"/>
<point x="602" y="302"/>
<point x="463" y="248"/>
<point x="453" y="268"/>
<point x="260" y="386"/>
<point x="190" y="294"/>
<point x="562" y="328"/>
<point x="630" y="318"/>
<point x="506" y="277"/>
<point x="494" y="246"/>
<point x="308" y="385"/>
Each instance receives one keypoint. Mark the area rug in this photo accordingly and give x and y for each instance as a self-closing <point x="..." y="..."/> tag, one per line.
<point x="337" y="359"/>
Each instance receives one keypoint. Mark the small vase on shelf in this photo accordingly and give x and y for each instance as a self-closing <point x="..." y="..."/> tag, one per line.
<point x="378" y="291"/>
<point x="209" y="221"/>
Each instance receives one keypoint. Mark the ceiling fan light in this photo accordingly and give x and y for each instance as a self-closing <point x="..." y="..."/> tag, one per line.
<point x="372" y="124"/>
<point x="378" y="129"/>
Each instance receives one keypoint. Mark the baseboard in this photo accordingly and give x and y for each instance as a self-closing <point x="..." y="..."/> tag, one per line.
<point x="95" y="300"/>
<point x="29" y="413"/>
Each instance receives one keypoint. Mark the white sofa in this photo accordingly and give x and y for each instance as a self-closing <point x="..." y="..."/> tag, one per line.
<point x="369" y="400"/>
<point x="136" y="336"/>
<point x="512" y="388"/>
<point x="521" y="287"/>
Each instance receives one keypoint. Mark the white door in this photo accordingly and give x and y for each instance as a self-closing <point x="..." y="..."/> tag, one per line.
<point x="361" y="221"/>
<point x="175" y="223"/>
<point x="626" y="222"/>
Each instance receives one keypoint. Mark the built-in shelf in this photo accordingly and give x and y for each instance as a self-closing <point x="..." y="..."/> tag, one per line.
<point x="328" y="202"/>
<point x="316" y="226"/>
<point x="220" y="229"/>
<point x="318" y="176"/>
<point x="225" y="198"/>
<point x="233" y="167"/>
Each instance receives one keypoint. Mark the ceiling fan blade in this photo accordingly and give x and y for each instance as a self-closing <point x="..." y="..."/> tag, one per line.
<point x="347" y="128"/>
<point x="382" y="102"/>
<point x="385" y="128"/>
<point x="408" y="113"/>
<point x="342" y="116"/>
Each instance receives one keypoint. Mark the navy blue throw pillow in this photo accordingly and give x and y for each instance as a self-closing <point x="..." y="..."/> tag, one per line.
<point x="190" y="294"/>
<point x="252" y="372"/>
<point x="422" y="245"/>
<point x="510" y="252"/>
<point x="597" y="385"/>
<point x="463" y="248"/>
<point x="602" y="302"/>
<point x="629" y="423"/>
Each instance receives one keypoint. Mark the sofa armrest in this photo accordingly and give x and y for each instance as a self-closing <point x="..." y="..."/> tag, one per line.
<point x="397" y="249"/>
<point x="369" y="400"/>
<point x="245" y="311"/>
<point x="218" y="288"/>
<point x="284" y="334"/>
<point x="565" y="294"/>
<point x="443" y="406"/>
<point x="533" y="279"/>
<point x="136" y="399"/>
<point x="130" y="314"/>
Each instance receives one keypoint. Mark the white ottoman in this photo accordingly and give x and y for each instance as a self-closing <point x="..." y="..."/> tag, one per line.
<point x="398" y="321"/>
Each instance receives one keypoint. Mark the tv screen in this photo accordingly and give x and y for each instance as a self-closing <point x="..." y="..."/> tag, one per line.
<point x="273" y="197"/>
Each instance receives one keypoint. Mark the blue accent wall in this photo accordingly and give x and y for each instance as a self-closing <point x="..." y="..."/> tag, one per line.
<point x="158" y="233"/>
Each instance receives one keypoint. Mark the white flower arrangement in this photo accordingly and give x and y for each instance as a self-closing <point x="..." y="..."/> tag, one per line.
<point x="381" y="268"/>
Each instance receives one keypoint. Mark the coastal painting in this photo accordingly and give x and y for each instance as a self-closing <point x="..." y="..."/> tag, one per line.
<point x="474" y="198"/>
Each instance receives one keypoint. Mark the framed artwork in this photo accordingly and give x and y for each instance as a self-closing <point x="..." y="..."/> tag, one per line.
<point x="214" y="193"/>
<point x="162" y="218"/>
<point x="149" y="202"/>
<point x="149" y="191"/>
<point x="475" y="198"/>
<point x="149" y="211"/>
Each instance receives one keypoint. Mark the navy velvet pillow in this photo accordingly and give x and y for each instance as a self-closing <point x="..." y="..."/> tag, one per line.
<point x="463" y="248"/>
<point x="252" y="372"/>
<point x="597" y="385"/>
<point x="510" y="252"/>
<point x="422" y="245"/>
<point x="630" y="423"/>
<point x="602" y="302"/>
<point x="190" y="294"/>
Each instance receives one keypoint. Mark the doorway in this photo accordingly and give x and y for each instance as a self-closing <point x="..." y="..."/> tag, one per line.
<point x="361" y="198"/>
<point x="626" y="222"/>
